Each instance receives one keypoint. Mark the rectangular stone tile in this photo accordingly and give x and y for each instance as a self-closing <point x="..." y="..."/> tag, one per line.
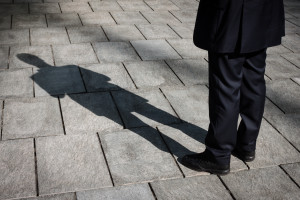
<point x="105" y="6"/>
<point x="144" y="108"/>
<point x="123" y="33"/>
<point x="267" y="183"/>
<point x="157" y="31"/>
<point x="187" y="49"/>
<point x="70" y="163"/>
<point x="75" y="7"/>
<point x="30" y="56"/>
<point x="14" y="37"/>
<point x="57" y="80"/>
<point x="296" y="80"/>
<point x="190" y="72"/>
<point x="138" y="155"/>
<point x="28" y="21"/>
<point x="115" y="51"/>
<point x="83" y="34"/>
<point x="295" y="21"/>
<point x="54" y="1"/>
<point x="64" y="19"/>
<point x="185" y="16"/>
<point x="272" y="149"/>
<point x="39" y="117"/>
<point x="5" y="22"/>
<point x="108" y="76"/>
<point x="293" y="170"/>
<point x="155" y="50"/>
<point x="201" y="187"/>
<point x="134" y="5"/>
<point x="190" y="103"/>
<point x="186" y="4"/>
<point x="54" y="35"/>
<point x="4" y="57"/>
<point x="291" y="28"/>
<point x="128" y="17"/>
<point x="74" y="54"/>
<point x="65" y="196"/>
<point x="280" y="49"/>
<point x="160" y="17"/>
<point x="293" y="58"/>
<point x="278" y="67"/>
<point x="161" y="5"/>
<point x="16" y="83"/>
<point x="7" y="9"/>
<point x="295" y="11"/>
<point x="292" y="42"/>
<point x="151" y="74"/>
<point x="185" y="31"/>
<point x="44" y="8"/>
<point x="28" y="1"/>
<point x="97" y="18"/>
<point x="285" y="94"/>
<point x="17" y="169"/>
<point x="90" y="113"/>
<point x="132" y="192"/>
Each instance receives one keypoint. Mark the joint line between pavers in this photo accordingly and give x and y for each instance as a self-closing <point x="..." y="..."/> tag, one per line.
<point x="120" y="6"/>
<point x="35" y="167"/>
<point x="171" y="106"/>
<point x="295" y="81"/>
<point x="2" y="115"/>
<point x="289" y="61"/>
<point x="114" y="101"/>
<point x="59" y="7"/>
<point x="11" y="19"/>
<point x="148" y="5"/>
<point x="79" y="19"/>
<point x="33" y="88"/>
<point x="90" y="6"/>
<point x="104" y="34"/>
<point x="275" y="104"/>
<point x="80" y="72"/>
<point x="8" y="59"/>
<point x="140" y="31"/>
<point x="230" y="193"/>
<point x="153" y="193"/>
<point x="61" y="116"/>
<point x="174" y="48"/>
<point x="144" y="17"/>
<point x="113" y="17"/>
<point x="100" y="143"/>
<point x="129" y="75"/>
<point x="136" y="51"/>
<point x="52" y="55"/>
<point x="29" y="36"/>
<point x="280" y="166"/>
<point x="46" y="21"/>
<point x="95" y="51"/>
<point x="174" y="72"/>
<point x="68" y="35"/>
<point x="288" y="48"/>
<point x="174" y="31"/>
<point x="175" y="16"/>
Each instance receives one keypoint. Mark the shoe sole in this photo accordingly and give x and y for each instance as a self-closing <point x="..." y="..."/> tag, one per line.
<point x="212" y="171"/>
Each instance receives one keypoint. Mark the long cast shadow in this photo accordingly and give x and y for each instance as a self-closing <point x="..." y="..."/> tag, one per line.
<point x="51" y="82"/>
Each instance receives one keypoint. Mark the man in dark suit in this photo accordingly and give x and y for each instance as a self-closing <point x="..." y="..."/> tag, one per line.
<point x="236" y="34"/>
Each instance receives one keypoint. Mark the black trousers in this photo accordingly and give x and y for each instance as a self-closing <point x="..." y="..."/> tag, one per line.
<point x="236" y="87"/>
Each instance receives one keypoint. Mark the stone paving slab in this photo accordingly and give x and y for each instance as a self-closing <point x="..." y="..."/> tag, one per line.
<point x="98" y="6"/>
<point x="16" y="83"/>
<point x="74" y="54"/>
<point x="27" y="1"/>
<point x="28" y="21"/>
<point x="160" y="17"/>
<point x="7" y="9"/>
<point x="268" y="183"/>
<point x="186" y="4"/>
<point x="296" y="80"/>
<point x="47" y="36"/>
<point x="295" y="21"/>
<point x="292" y="42"/>
<point x="115" y="52"/>
<point x="201" y="187"/>
<point x="103" y="77"/>
<point x="293" y="58"/>
<point x="65" y="196"/>
<point x="286" y="100"/>
<point x="97" y="18"/>
<point x="90" y="113"/>
<point x="151" y="74"/>
<point x="272" y="149"/>
<point x="4" y="57"/>
<point x="155" y="50"/>
<point x="144" y="108"/>
<point x="190" y="72"/>
<point x="280" y="49"/>
<point x="69" y="163"/>
<point x="14" y="37"/>
<point x="84" y="34"/>
<point x="54" y="1"/>
<point x="122" y="33"/>
<point x="5" y="22"/>
<point x="190" y="103"/>
<point x="131" y="192"/>
<point x="17" y="169"/>
<point x="54" y="81"/>
<point x="162" y="31"/>
<point x="161" y="5"/>
<point x="128" y="17"/>
<point x="43" y="8"/>
<point x="62" y="20"/>
<point x="290" y="28"/>
<point x="185" y="31"/>
<point x="31" y="117"/>
<point x="30" y="56"/>
<point x="187" y="49"/>
<point x="134" y="5"/>
<point x="138" y="155"/>
<point x="185" y="16"/>
<point x="293" y="171"/>
<point x="75" y="7"/>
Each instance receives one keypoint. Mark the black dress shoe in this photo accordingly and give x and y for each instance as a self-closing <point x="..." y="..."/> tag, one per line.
<point x="202" y="162"/>
<point x="246" y="156"/>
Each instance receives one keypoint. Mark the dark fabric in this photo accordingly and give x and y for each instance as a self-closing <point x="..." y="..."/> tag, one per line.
<point x="236" y="85"/>
<point x="243" y="26"/>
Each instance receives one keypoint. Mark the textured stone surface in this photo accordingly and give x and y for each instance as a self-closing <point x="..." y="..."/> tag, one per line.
<point x="161" y="5"/>
<point x="43" y="36"/>
<point x="75" y="7"/>
<point x="268" y="183"/>
<point x="134" y="5"/>
<point x="5" y="22"/>
<point x="160" y="17"/>
<point x="86" y="34"/>
<point x="201" y="187"/>
<point x="293" y="170"/>
<point x="74" y="54"/>
<point x="129" y="17"/>
<point x="297" y="80"/>
<point x="96" y="18"/>
<point x="185" y="31"/>
<point x="151" y="74"/>
<point x="185" y="16"/>
<point x="186" y="4"/>
<point x="69" y="163"/>
<point x="109" y="76"/>
<point x="293" y="58"/>
<point x="17" y="169"/>
<point x="105" y="6"/>
<point x="4" y="57"/>
<point x="286" y="100"/>
<point x="43" y="8"/>
<point x="30" y="56"/>
<point x="144" y="107"/>
<point x="90" y="113"/>
<point x="115" y="51"/>
<point x="191" y="72"/>
<point x="280" y="49"/>
<point x="154" y="50"/>
<point x="157" y="31"/>
<point x="14" y="37"/>
<point x="291" y="28"/>
<point x="31" y="117"/>
<point x="187" y="49"/>
<point x="28" y="21"/>
<point x="54" y="80"/>
<point x="7" y="9"/>
<point x="65" y="19"/>
<point x="190" y="103"/>
<point x="123" y="33"/>
<point x="292" y="42"/>
<point x="65" y="196"/>
<point x="132" y="192"/>
<point x="16" y="83"/>
<point x="138" y="155"/>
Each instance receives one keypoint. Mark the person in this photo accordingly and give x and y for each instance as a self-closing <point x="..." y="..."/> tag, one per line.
<point x="236" y="34"/>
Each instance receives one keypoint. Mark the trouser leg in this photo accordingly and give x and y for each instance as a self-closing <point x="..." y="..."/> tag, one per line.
<point x="252" y="101"/>
<point x="225" y="76"/>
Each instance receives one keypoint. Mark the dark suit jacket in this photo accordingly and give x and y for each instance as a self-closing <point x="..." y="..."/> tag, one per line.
<point x="243" y="26"/>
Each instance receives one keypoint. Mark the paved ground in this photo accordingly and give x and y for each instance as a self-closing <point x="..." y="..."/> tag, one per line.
<point x="100" y="98"/>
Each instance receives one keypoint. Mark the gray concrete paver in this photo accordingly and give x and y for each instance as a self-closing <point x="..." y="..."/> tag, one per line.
<point x="128" y="17"/>
<point x="96" y="18"/>
<point x="278" y="50"/>
<point x="292" y="42"/>
<point x="75" y="7"/>
<point x="28" y="21"/>
<point x="160" y="17"/>
<point x="187" y="49"/>
<point x="44" y="8"/>
<point x="4" y="57"/>
<point x="84" y="34"/>
<point x="162" y="31"/>
<point x="53" y="35"/>
<point x="63" y="19"/>
<point x="134" y="5"/>
<point x="293" y="170"/>
<point x="14" y="37"/>
<point x="161" y="5"/>
<point x="122" y="33"/>
<point x="7" y="9"/>
<point x="5" y="22"/>
<point x="65" y="196"/>
<point x="293" y="58"/>
<point x="185" y="16"/>
<point x="98" y="6"/>
<point x="186" y="4"/>
<point x="186" y="31"/>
